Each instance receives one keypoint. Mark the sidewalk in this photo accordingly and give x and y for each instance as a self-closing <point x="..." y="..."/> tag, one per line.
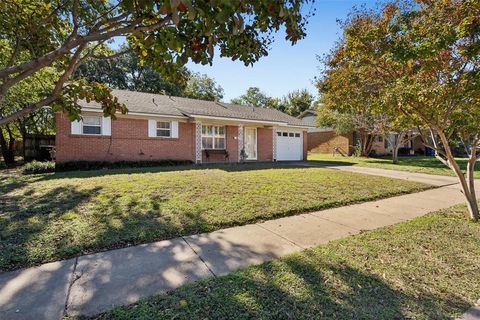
<point x="94" y="283"/>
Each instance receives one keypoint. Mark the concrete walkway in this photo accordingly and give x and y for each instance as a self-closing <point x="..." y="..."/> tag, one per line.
<point x="95" y="283"/>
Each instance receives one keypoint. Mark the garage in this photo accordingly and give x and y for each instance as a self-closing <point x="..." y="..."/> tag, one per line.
<point x="289" y="145"/>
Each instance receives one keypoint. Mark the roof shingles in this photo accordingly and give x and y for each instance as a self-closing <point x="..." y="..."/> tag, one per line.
<point x="149" y="103"/>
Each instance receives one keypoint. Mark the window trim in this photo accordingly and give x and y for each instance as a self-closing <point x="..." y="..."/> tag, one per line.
<point x="163" y="129"/>
<point x="214" y="136"/>
<point x="92" y="134"/>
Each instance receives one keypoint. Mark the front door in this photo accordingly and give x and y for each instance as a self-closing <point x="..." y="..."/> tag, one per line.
<point x="251" y="143"/>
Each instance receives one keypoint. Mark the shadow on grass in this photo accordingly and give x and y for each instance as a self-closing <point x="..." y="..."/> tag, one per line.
<point x="310" y="285"/>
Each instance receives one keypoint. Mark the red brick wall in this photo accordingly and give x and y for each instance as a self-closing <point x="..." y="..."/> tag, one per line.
<point x="129" y="141"/>
<point x="231" y="140"/>
<point x="265" y="144"/>
<point x="325" y="142"/>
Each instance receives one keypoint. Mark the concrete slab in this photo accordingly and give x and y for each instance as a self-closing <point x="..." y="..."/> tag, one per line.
<point x="354" y="217"/>
<point x="123" y="276"/>
<point x="473" y="313"/>
<point x="35" y="293"/>
<point x="234" y="248"/>
<point x="307" y="231"/>
<point x="418" y="177"/>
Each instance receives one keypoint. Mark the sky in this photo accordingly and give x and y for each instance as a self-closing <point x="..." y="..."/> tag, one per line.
<point x="287" y="67"/>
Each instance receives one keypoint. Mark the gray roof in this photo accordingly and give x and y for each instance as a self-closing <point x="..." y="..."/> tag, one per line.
<point x="140" y="102"/>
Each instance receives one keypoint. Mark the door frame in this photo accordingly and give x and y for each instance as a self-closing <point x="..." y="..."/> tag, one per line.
<point x="256" y="142"/>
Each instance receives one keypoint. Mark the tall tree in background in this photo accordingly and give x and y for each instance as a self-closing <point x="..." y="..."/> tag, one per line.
<point x="297" y="101"/>
<point x="257" y="98"/>
<point x="200" y="86"/>
<point x="127" y="73"/>
<point x="163" y="33"/>
<point x="426" y="54"/>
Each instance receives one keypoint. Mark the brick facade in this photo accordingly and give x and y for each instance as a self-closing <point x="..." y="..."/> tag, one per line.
<point x="129" y="142"/>
<point x="326" y="142"/>
<point x="265" y="144"/>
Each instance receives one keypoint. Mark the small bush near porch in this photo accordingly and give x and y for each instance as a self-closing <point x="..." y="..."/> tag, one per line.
<point x="55" y="216"/>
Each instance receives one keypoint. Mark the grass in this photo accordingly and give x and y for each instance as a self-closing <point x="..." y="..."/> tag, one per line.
<point x="426" y="268"/>
<point x="50" y="217"/>
<point x="428" y="165"/>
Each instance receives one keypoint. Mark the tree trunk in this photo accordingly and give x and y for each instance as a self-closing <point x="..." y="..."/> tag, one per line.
<point x="467" y="183"/>
<point x="366" y="140"/>
<point x="397" y="140"/>
<point x="7" y="150"/>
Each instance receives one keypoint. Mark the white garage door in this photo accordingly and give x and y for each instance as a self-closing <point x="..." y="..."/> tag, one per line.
<point x="289" y="145"/>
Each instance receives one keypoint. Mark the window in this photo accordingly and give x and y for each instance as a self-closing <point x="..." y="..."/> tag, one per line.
<point x="213" y="137"/>
<point x="297" y="135"/>
<point x="290" y="134"/>
<point x="164" y="129"/>
<point x="285" y="134"/>
<point x="92" y="125"/>
<point x="279" y="134"/>
<point x="380" y="139"/>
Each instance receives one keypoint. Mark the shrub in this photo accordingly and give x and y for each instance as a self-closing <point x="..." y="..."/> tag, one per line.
<point x="96" y="165"/>
<point x="38" y="167"/>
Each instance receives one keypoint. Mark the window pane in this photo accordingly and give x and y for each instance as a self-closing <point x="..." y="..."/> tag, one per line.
<point x="297" y="135"/>
<point x="94" y="121"/>
<point x="208" y="130"/>
<point x="91" y="130"/>
<point x="219" y="143"/>
<point x="279" y="134"/>
<point x="163" y="125"/>
<point x="285" y="134"/>
<point x="221" y="130"/>
<point x="290" y="134"/>
<point x="204" y="130"/>
<point x="163" y="133"/>
<point x="207" y="143"/>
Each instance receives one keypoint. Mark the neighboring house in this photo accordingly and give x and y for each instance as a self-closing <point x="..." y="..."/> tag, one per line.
<point x="159" y="127"/>
<point x="326" y="140"/>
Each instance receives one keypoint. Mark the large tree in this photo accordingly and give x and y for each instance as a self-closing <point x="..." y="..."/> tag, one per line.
<point x="297" y="101"/>
<point x="427" y="56"/>
<point x="163" y="33"/>
<point x="127" y="73"/>
<point x="257" y="98"/>
<point x="201" y="86"/>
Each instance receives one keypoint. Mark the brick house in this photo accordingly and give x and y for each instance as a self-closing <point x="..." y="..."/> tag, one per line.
<point x="326" y="140"/>
<point x="159" y="127"/>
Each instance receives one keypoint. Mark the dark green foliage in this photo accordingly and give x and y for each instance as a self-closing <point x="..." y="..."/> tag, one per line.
<point x="38" y="167"/>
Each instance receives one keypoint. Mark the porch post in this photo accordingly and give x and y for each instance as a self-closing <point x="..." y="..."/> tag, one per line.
<point x="198" y="142"/>
<point x="240" y="142"/>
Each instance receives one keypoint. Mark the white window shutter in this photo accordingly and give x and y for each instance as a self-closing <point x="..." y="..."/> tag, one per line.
<point x="76" y="127"/>
<point x="106" y="126"/>
<point x="174" y="129"/>
<point x="152" y="128"/>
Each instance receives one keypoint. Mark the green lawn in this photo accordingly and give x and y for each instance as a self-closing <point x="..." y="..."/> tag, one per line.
<point x="50" y="217"/>
<point x="428" y="165"/>
<point x="426" y="268"/>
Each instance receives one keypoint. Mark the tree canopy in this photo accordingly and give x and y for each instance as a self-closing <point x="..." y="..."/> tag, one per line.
<point x="419" y="62"/>
<point x="200" y="86"/>
<point x="125" y="72"/>
<point x="164" y="34"/>
<point x="294" y="103"/>
<point x="255" y="97"/>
